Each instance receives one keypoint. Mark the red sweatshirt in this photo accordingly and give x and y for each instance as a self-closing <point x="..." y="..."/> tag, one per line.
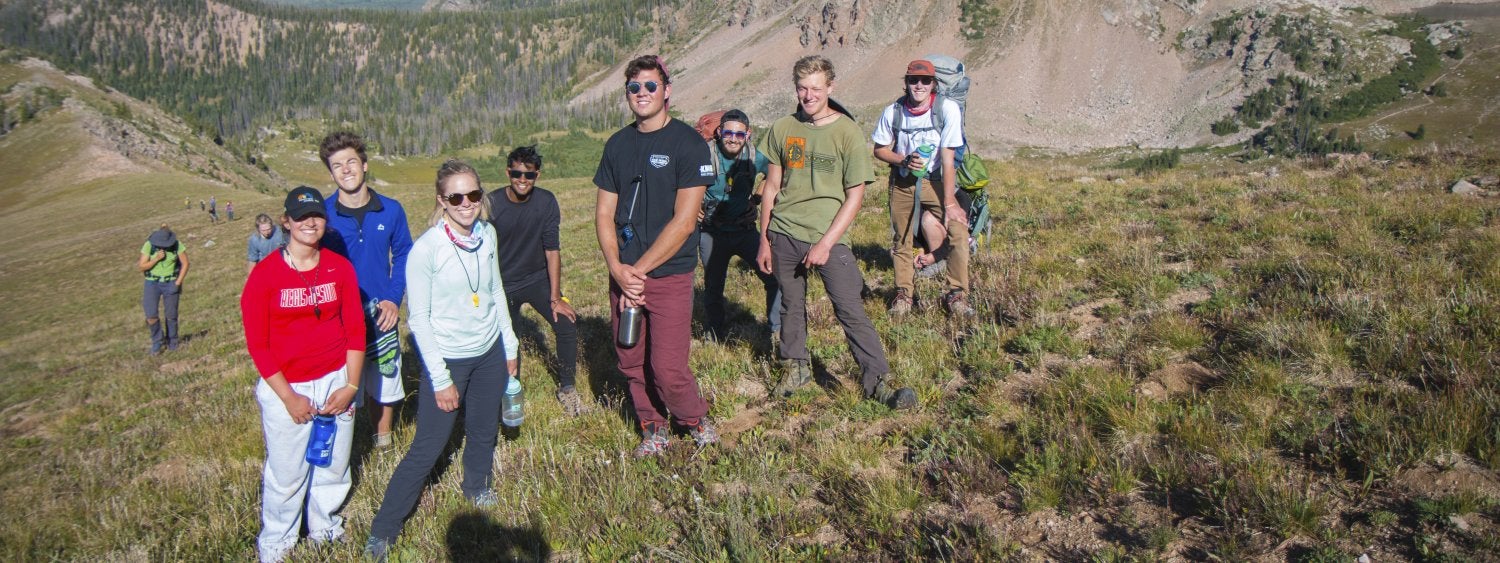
<point x="281" y="330"/>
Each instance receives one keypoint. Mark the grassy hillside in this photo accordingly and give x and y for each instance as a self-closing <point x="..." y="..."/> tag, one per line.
<point x="1297" y="363"/>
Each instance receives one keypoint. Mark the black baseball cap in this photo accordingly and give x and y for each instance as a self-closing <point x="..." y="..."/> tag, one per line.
<point x="734" y="115"/>
<point x="303" y="201"/>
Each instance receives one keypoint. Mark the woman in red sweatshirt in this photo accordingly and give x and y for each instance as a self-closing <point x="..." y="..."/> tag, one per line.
<point x="306" y="333"/>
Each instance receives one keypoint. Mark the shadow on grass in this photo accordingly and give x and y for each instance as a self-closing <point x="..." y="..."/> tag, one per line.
<point x="597" y="352"/>
<point x="474" y="536"/>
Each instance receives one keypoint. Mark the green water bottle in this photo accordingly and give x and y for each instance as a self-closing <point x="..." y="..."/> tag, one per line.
<point x="925" y="151"/>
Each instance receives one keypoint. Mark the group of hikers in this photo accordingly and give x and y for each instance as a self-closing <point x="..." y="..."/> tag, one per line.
<point x="321" y="302"/>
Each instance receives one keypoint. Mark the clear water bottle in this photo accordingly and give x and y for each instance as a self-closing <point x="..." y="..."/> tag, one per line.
<point x="512" y="405"/>
<point x="320" y="445"/>
<point x="925" y="151"/>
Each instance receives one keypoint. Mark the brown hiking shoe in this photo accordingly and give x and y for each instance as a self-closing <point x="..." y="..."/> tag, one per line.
<point x="794" y="374"/>
<point x="901" y="304"/>
<point x="957" y="305"/>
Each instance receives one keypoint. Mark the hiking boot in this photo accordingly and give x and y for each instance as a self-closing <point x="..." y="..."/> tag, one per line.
<point x="487" y="499"/>
<point x="795" y="374"/>
<point x="654" y="441"/>
<point x="957" y="304"/>
<point x="896" y="398"/>
<point x="901" y="304"/>
<point x="572" y="404"/>
<point x="704" y="433"/>
<point x="377" y="549"/>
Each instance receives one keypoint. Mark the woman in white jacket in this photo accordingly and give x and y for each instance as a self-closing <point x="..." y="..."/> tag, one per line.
<point x="458" y="315"/>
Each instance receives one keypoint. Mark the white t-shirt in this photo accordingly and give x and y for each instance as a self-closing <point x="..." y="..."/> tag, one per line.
<point x="918" y="131"/>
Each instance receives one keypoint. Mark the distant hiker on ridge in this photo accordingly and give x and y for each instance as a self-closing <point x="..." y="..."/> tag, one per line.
<point x="165" y="266"/>
<point x="370" y="230"/>
<point x="527" y="220"/>
<point x="814" y="186"/>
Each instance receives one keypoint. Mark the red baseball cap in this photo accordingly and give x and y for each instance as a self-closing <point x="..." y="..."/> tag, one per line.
<point x="921" y="67"/>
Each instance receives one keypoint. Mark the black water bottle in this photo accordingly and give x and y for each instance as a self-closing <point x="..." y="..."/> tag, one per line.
<point x="630" y="327"/>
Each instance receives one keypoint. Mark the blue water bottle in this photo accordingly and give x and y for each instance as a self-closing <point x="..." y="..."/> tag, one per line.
<point x="320" y="445"/>
<point x="512" y="405"/>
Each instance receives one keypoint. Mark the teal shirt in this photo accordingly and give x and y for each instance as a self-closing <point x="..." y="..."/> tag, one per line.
<point x="733" y="188"/>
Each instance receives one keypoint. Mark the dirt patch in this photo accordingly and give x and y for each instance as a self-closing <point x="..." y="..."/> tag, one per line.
<point x="745" y="420"/>
<point x="1184" y="299"/>
<point x="748" y="387"/>
<point x="1453" y="475"/>
<point x="1086" y="317"/>
<point x="1176" y="379"/>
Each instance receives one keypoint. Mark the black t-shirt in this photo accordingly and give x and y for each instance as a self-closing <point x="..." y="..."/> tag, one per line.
<point x="524" y="231"/>
<point x="649" y="168"/>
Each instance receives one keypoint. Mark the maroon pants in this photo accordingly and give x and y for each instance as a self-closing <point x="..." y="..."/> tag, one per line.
<point x="657" y="366"/>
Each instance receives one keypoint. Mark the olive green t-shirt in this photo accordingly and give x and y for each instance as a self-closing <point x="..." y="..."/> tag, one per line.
<point x="817" y="164"/>
<point x="167" y="267"/>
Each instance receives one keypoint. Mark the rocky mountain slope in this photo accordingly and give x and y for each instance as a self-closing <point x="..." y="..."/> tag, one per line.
<point x="1061" y="74"/>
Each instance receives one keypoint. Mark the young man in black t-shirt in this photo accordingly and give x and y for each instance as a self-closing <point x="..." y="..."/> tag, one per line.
<point x="651" y="180"/>
<point x="526" y="220"/>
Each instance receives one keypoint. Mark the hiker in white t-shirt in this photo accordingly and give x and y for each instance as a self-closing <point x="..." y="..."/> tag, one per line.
<point x="907" y="129"/>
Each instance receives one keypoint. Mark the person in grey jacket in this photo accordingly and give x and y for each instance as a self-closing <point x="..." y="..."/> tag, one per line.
<point x="264" y="241"/>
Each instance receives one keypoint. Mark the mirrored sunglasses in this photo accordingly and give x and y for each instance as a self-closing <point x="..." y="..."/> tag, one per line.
<point x="734" y="134"/>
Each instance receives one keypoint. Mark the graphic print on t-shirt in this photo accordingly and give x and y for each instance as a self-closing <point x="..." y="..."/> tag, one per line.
<point x="293" y="297"/>
<point x="796" y="152"/>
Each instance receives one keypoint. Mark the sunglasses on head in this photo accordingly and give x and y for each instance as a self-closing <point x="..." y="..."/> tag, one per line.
<point x="727" y="134"/>
<point x="919" y="80"/>
<point x="458" y="199"/>
<point x="635" y="87"/>
<point x="520" y="174"/>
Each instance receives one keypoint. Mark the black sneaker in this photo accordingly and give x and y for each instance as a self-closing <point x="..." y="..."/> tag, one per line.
<point x="377" y="549"/>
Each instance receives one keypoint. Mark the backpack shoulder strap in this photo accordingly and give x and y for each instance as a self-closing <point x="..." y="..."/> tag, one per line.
<point x="937" y="113"/>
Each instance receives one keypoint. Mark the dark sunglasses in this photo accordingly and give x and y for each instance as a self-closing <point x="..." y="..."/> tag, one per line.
<point x="635" y="87"/>
<point x="519" y="173"/>
<point x="919" y="80"/>
<point x="458" y="199"/>
<point x="734" y="134"/>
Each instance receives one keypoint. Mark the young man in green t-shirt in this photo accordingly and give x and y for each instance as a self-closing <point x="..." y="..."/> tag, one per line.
<point x="815" y="180"/>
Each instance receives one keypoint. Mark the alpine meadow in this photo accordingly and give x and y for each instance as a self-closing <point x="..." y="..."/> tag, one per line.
<point x="1238" y="298"/>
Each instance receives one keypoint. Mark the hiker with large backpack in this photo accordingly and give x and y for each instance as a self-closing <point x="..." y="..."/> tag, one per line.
<point x="918" y="136"/>
<point x="728" y="218"/>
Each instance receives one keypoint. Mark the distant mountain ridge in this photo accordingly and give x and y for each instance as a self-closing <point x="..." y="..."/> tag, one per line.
<point x="1060" y="74"/>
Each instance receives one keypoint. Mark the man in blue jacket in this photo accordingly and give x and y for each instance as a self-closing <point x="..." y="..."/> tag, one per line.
<point x="370" y="230"/>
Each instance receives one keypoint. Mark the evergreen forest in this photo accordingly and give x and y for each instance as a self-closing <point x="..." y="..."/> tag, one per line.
<point x="413" y="82"/>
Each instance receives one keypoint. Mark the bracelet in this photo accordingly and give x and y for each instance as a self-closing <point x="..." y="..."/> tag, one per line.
<point x="351" y="386"/>
<point x="564" y="299"/>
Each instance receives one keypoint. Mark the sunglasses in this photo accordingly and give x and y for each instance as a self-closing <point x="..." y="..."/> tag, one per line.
<point x="734" y="134"/>
<point x="635" y="87"/>
<point x="919" y="80"/>
<point x="522" y="174"/>
<point x="458" y="199"/>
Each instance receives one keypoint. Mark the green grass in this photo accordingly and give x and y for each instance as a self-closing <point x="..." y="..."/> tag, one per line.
<point x="1348" y="318"/>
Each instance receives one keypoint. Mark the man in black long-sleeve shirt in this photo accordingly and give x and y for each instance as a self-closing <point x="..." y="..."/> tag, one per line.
<point x="526" y="220"/>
